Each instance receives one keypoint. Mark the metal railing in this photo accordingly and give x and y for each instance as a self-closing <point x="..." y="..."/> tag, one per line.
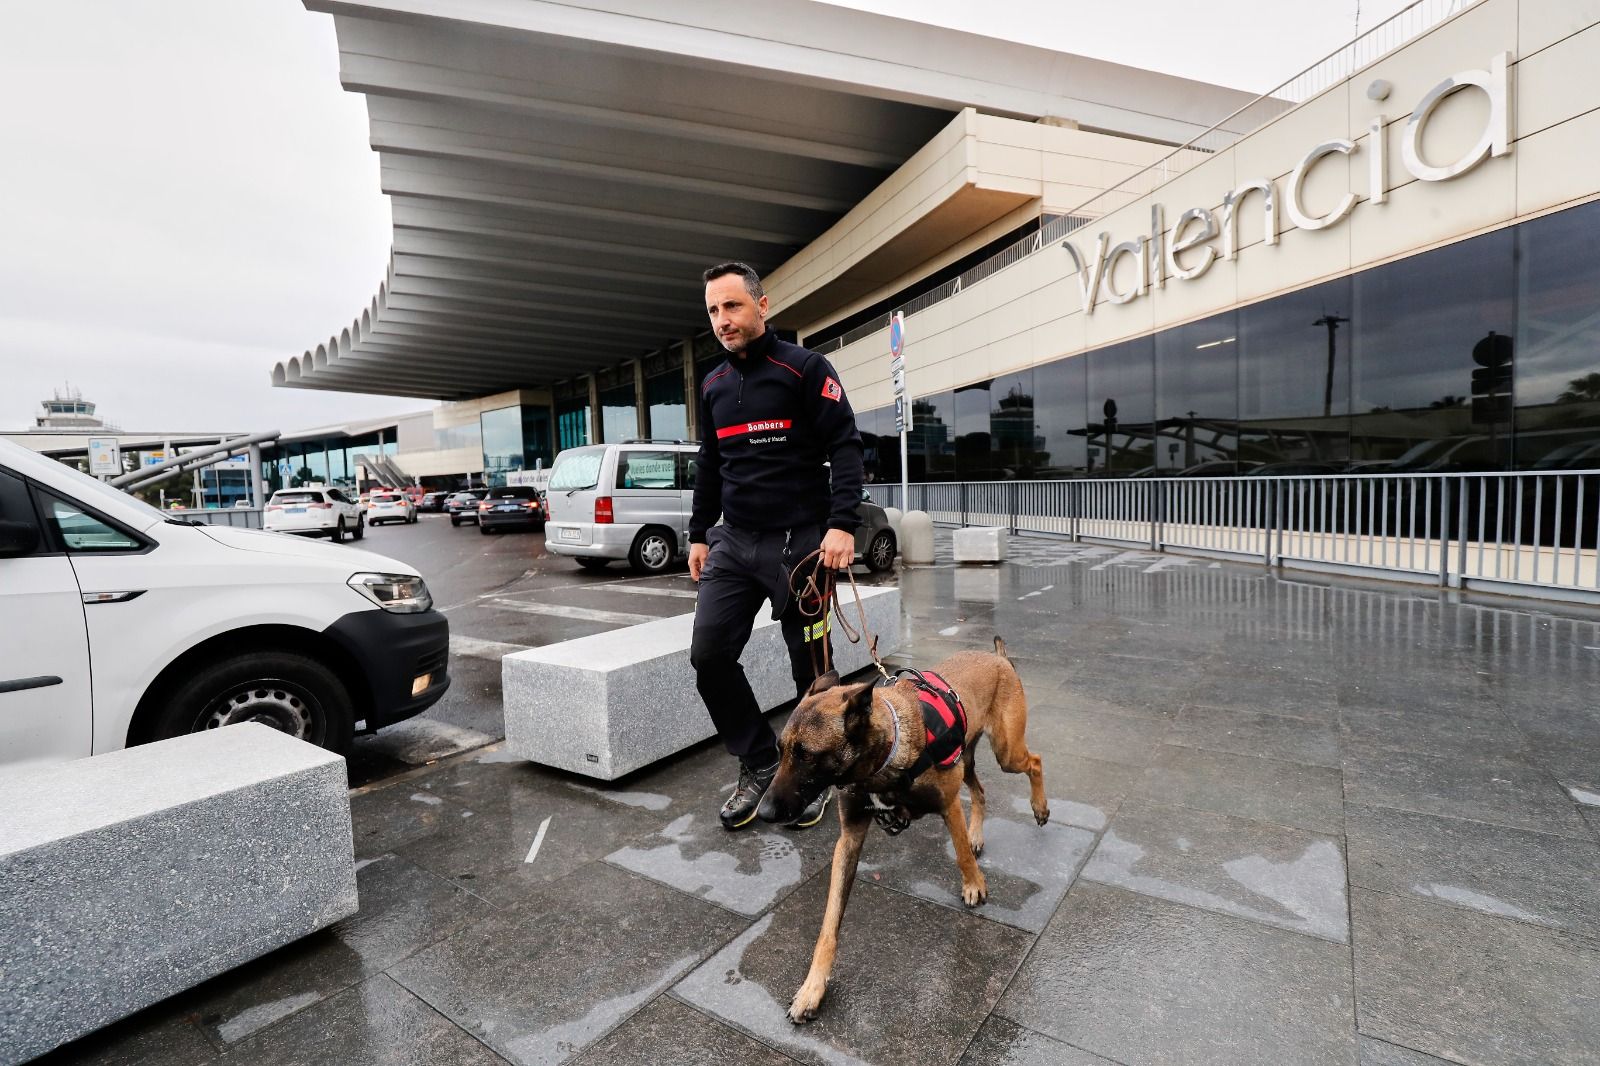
<point x="1409" y="22"/>
<point x="246" y="517"/>
<point x="1529" y="533"/>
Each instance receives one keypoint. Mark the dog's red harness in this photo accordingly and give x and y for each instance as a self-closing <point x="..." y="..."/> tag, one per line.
<point x="944" y="724"/>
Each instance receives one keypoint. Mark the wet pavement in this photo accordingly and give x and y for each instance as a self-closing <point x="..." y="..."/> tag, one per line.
<point x="1293" y="821"/>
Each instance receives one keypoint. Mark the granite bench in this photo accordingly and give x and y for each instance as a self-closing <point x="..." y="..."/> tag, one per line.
<point x="980" y="544"/>
<point x="608" y="704"/>
<point x="128" y="877"/>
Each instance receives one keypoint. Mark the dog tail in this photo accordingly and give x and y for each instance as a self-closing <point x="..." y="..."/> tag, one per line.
<point x="1000" y="649"/>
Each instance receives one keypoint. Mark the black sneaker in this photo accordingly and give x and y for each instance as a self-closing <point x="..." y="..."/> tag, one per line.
<point x="740" y="810"/>
<point x="813" y="812"/>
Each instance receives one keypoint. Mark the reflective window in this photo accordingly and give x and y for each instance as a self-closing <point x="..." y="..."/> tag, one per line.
<point x="572" y="424"/>
<point x="1294" y="377"/>
<point x="502" y="443"/>
<point x="930" y="444"/>
<point x="1557" y="353"/>
<point x="619" y="417"/>
<point x="83" y="532"/>
<point x="1197" y="396"/>
<point x="669" y="418"/>
<point x="1122" y="409"/>
<point x="1416" y="330"/>
<point x="974" y="461"/>
<point x="1059" y="413"/>
<point x="1013" y="443"/>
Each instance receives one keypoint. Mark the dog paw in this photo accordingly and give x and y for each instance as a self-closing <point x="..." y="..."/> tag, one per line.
<point x="805" y="1004"/>
<point x="1041" y="815"/>
<point x="976" y="893"/>
<point x="977" y="849"/>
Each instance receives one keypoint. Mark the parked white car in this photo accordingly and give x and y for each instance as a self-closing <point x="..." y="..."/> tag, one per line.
<point x="120" y="625"/>
<point x="316" y="511"/>
<point x="390" y="507"/>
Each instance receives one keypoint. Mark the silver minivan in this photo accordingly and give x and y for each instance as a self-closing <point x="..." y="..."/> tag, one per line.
<point x="633" y="500"/>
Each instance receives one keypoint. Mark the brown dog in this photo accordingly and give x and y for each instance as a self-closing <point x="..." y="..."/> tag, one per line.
<point x="864" y="739"/>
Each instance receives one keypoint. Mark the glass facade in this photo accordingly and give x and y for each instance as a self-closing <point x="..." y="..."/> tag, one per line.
<point x="669" y="419"/>
<point x="514" y="438"/>
<point x="619" y="415"/>
<point x="332" y="460"/>
<point x="1483" y="355"/>
<point x="572" y="424"/>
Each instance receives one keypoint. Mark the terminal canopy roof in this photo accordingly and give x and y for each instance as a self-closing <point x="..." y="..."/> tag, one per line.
<point x="561" y="172"/>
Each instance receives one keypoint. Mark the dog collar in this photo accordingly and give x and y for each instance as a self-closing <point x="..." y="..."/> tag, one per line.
<point x="895" y="718"/>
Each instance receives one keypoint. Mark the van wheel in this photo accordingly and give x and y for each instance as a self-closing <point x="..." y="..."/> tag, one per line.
<point x="338" y="533"/>
<point x="361" y="528"/>
<point x="880" y="552"/>
<point x="290" y="692"/>
<point x="589" y="563"/>
<point x="652" y="551"/>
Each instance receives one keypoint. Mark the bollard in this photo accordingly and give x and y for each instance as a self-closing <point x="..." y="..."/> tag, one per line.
<point x="916" y="542"/>
<point x="893" y="515"/>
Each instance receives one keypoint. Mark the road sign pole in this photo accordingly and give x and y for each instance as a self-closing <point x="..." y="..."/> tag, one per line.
<point x="902" y="401"/>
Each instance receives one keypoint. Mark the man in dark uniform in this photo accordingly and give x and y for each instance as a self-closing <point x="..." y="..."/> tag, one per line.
<point x="771" y="416"/>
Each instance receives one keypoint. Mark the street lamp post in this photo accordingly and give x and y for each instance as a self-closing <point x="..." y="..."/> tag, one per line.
<point x="1332" y="322"/>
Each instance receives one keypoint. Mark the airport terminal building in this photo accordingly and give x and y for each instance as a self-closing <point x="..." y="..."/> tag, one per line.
<point x="1389" y="264"/>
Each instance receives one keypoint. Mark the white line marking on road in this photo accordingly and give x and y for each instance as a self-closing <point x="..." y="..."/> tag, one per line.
<point x="650" y="590"/>
<point x="538" y="838"/>
<point x="585" y="614"/>
<point x="474" y="648"/>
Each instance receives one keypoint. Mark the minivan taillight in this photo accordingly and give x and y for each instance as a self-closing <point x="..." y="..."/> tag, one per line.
<point x="602" y="511"/>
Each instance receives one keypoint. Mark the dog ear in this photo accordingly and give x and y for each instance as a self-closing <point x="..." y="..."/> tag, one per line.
<point x="823" y="683"/>
<point x="859" y="701"/>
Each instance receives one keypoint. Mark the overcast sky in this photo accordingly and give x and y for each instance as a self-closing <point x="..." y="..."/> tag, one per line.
<point x="186" y="194"/>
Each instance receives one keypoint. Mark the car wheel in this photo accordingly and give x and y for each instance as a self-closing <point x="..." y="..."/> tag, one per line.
<point x="290" y="692"/>
<point x="338" y="532"/>
<point x="361" y="528"/>
<point x="652" y="551"/>
<point x="454" y="520"/>
<point x="593" y="564"/>
<point x="880" y="552"/>
<point x="485" y="530"/>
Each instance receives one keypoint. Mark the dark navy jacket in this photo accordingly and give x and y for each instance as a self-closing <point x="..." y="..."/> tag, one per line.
<point x="769" y="419"/>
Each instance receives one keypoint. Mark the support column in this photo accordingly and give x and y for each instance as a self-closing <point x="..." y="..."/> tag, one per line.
<point x="691" y="391"/>
<point x="594" y="410"/>
<point x="641" y="404"/>
<point x="258" y="494"/>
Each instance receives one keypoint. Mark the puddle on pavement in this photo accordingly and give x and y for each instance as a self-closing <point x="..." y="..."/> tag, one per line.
<point x="547" y="1047"/>
<point x="1477" y="901"/>
<point x="740" y="882"/>
<point x="650" y="801"/>
<point x="262" y="1015"/>
<point x="1306" y="893"/>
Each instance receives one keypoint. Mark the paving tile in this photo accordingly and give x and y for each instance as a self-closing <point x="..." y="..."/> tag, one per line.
<point x="1241" y="688"/>
<point x="1314" y="743"/>
<point x="261" y="993"/>
<point x="1142" y="688"/>
<point x="1484" y="790"/>
<point x="1269" y="874"/>
<point x="1139" y="979"/>
<point x="1435" y="682"/>
<point x="391" y="816"/>
<point x="1028" y="867"/>
<point x="1267" y="790"/>
<point x="1383" y="1053"/>
<point x="1112" y="737"/>
<point x="911" y="984"/>
<point x="1473" y="988"/>
<point x="403" y="909"/>
<point x="746" y="872"/>
<point x="668" y="1033"/>
<point x="582" y="955"/>
<point x="162" y="1035"/>
<point x="1004" y="1043"/>
<point x="1082" y="792"/>
<point x="377" y="1021"/>
<point x="1423" y="731"/>
<point x="1532" y="877"/>
<point x="494" y="855"/>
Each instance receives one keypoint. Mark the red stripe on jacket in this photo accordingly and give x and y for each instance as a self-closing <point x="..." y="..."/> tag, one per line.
<point x="754" y="427"/>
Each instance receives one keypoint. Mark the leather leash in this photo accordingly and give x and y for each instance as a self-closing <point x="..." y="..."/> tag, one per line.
<point x="815" y="587"/>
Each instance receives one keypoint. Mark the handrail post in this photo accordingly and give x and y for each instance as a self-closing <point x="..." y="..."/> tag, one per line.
<point x="1271" y="520"/>
<point x="1444" y="533"/>
<point x="1014" y="491"/>
<point x="1158" y="494"/>
<point x="963" y="485"/>
<point x="1461" y="537"/>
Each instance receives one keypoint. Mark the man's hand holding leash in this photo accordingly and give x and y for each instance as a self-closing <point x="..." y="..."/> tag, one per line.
<point x="838" y="549"/>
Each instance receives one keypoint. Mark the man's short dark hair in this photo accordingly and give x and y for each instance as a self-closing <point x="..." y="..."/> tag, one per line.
<point x="752" y="280"/>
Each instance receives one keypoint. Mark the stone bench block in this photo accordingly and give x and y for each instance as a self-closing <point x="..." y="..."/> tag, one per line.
<point x="610" y="703"/>
<point x="980" y="544"/>
<point x="128" y="877"/>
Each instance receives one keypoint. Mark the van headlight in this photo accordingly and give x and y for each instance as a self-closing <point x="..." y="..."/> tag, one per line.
<point x="400" y="593"/>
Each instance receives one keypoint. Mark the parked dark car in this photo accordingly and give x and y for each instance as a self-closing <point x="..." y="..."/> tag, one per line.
<point x="463" y="506"/>
<point x="433" y="501"/>
<point x="511" y="507"/>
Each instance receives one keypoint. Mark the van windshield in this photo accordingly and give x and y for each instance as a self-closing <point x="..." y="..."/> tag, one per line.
<point x="576" y="470"/>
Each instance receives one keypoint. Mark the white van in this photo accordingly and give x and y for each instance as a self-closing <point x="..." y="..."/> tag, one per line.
<point x="120" y="625"/>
